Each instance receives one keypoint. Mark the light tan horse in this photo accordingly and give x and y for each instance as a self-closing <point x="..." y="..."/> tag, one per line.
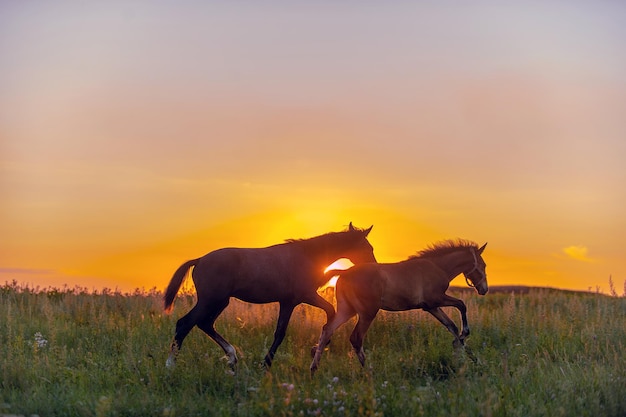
<point x="419" y="282"/>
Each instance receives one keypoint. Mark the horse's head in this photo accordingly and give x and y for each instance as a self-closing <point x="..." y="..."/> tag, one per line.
<point x="357" y="248"/>
<point x="477" y="277"/>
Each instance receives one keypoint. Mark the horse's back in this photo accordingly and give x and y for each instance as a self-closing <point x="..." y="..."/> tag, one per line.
<point x="412" y="283"/>
<point x="238" y="260"/>
<point x="363" y="283"/>
<point x="391" y="286"/>
<point x="223" y="260"/>
<point x="250" y="274"/>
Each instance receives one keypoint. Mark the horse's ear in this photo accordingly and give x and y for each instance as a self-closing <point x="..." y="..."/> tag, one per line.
<point x="367" y="231"/>
<point x="350" y="227"/>
<point x="482" y="248"/>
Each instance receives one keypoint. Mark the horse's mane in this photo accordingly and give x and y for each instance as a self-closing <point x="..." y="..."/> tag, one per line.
<point x="444" y="247"/>
<point x="354" y="230"/>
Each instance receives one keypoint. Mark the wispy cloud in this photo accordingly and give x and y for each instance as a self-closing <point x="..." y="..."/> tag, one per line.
<point x="578" y="252"/>
<point x="29" y="271"/>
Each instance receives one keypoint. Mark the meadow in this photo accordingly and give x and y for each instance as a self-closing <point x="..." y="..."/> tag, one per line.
<point x="72" y="352"/>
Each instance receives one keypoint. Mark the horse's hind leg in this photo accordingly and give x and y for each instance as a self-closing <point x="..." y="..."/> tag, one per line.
<point x="318" y="301"/>
<point x="183" y="327"/>
<point x="343" y="315"/>
<point x="206" y="325"/>
<point x="358" y="334"/>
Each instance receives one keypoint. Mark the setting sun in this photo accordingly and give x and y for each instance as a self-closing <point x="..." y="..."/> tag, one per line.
<point x="154" y="156"/>
<point x="126" y="152"/>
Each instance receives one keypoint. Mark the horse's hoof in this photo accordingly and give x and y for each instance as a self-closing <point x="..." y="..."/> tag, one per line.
<point x="170" y="363"/>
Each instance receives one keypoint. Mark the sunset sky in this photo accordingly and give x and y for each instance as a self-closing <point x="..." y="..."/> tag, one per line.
<point x="137" y="135"/>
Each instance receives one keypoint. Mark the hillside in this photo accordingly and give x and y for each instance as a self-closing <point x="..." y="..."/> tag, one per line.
<point x="535" y="352"/>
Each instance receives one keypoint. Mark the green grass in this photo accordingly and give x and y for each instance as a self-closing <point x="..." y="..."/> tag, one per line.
<point x="546" y="353"/>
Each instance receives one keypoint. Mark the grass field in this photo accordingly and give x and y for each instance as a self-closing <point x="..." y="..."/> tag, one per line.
<point x="545" y="353"/>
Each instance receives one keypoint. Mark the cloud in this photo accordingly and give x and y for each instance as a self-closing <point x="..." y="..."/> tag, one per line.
<point x="578" y="252"/>
<point x="25" y="271"/>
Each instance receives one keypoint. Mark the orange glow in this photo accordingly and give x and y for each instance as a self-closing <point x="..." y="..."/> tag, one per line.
<point x="342" y="263"/>
<point x="111" y="178"/>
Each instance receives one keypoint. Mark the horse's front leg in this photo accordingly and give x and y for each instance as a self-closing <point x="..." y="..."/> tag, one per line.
<point x="438" y="313"/>
<point x="286" y="309"/>
<point x="459" y="305"/>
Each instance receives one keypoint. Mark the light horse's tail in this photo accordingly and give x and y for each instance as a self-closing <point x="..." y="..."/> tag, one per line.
<point x="175" y="283"/>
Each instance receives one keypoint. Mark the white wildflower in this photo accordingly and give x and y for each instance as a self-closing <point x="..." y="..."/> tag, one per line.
<point x="40" y="341"/>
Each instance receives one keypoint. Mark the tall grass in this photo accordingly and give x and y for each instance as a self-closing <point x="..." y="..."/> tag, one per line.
<point x="74" y="353"/>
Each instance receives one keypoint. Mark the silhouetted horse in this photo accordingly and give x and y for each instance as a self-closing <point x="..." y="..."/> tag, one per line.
<point x="419" y="282"/>
<point x="289" y="273"/>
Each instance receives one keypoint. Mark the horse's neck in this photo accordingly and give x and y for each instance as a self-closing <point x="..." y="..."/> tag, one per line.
<point x="323" y="249"/>
<point x="454" y="263"/>
<point x="320" y="252"/>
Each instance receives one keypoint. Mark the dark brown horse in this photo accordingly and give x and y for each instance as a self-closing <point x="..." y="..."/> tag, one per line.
<point x="289" y="273"/>
<point x="420" y="282"/>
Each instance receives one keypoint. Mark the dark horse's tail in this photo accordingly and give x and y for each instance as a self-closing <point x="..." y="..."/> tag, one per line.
<point x="175" y="283"/>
